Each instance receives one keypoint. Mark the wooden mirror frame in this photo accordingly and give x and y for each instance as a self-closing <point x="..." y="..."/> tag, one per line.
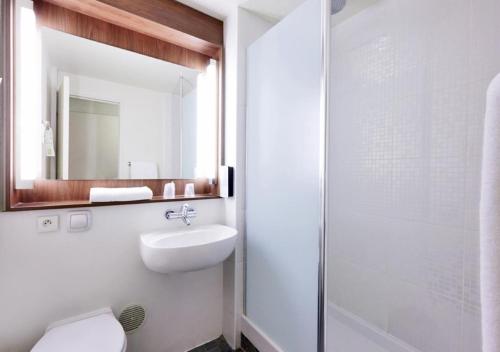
<point x="163" y="29"/>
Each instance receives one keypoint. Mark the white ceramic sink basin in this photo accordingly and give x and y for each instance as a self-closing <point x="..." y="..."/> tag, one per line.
<point x="188" y="249"/>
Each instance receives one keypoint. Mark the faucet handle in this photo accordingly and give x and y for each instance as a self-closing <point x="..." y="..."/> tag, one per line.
<point x="185" y="209"/>
<point x="186" y="212"/>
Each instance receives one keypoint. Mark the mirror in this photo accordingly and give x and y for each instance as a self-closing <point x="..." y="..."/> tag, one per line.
<point x="86" y="110"/>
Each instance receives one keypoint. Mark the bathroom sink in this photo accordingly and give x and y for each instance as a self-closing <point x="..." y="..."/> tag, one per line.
<point x="188" y="249"/>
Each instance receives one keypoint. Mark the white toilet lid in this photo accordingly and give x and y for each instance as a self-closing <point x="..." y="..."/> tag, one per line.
<point x="101" y="333"/>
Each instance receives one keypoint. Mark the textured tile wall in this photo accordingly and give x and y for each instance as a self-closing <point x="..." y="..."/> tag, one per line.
<point x="408" y="102"/>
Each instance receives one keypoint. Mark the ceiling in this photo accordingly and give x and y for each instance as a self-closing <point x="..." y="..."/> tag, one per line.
<point x="92" y="59"/>
<point x="216" y="8"/>
<point x="270" y="9"/>
<point x="273" y="10"/>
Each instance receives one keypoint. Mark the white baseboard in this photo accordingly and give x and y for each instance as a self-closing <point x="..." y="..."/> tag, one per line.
<point x="257" y="337"/>
<point x="378" y="336"/>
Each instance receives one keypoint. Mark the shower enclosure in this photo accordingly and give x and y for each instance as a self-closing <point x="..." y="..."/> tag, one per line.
<point x="408" y="89"/>
<point x="394" y="207"/>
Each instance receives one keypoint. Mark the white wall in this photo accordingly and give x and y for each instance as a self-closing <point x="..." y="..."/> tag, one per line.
<point x="146" y="122"/>
<point x="408" y="101"/>
<point x="94" y="148"/>
<point x="47" y="277"/>
<point x="241" y="28"/>
<point x="67" y="274"/>
<point x="283" y="179"/>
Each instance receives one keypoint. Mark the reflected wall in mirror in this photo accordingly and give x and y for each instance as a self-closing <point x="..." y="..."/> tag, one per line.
<point x="86" y="110"/>
<point x="93" y="146"/>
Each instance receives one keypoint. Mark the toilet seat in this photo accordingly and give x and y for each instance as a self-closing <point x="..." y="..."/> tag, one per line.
<point x="93" y="332"/>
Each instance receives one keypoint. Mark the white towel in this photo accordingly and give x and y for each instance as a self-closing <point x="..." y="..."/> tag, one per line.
<point x="128" y="194"/>
<point x="143" y="170"/>
<point x="490" y="222"/>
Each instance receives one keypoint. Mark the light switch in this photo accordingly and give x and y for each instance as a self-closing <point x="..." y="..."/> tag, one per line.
<point x="79" y="221"/>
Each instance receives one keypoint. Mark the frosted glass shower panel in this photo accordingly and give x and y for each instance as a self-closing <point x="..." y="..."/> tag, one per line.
<point x="283" y="200"/>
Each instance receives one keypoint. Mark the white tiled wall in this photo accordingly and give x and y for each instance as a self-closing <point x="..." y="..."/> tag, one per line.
<point x="409" y="88"/>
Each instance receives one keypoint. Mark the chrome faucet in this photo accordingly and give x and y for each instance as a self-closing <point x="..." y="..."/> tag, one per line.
<point x="185" y="213"/>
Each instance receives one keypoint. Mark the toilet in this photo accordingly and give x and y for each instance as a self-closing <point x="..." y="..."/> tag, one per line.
<point x="97" y="331"/>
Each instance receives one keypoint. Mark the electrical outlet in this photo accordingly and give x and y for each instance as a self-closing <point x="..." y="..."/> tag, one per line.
<point x="48" y="223"/>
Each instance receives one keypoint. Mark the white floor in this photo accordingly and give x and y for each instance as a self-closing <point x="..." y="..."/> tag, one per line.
<point x="342" y="338"/>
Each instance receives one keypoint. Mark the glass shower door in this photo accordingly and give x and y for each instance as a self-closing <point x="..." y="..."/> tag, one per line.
<point x="408" y="90"/>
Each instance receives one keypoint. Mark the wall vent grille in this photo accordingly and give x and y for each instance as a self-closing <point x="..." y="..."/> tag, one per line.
<point x="132" y="317"/>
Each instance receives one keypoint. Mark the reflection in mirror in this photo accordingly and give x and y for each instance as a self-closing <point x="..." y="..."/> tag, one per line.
<point x="94" y="140"/>
<point x="107" y="113"/>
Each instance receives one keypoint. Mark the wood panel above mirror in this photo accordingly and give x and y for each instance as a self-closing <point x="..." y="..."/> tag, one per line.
<point x="167" y="20"/>
<point x="78" y="24"/>
<point x="87" y="105"/>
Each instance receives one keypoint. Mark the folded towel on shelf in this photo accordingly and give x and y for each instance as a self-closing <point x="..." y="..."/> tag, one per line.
<point x="129" y="194"/>
<point x="143" y="170"/>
